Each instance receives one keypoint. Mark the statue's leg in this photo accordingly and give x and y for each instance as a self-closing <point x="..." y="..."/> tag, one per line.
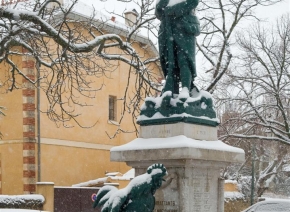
<point x="185" y="46"/>
<point x="169" y="82"/>
<point x="167" y="65"/>
<point x="176" y="71"/>
<point x="185" y="72"/>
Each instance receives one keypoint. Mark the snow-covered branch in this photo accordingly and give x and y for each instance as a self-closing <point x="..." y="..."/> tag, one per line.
<point x="71" y="49"/>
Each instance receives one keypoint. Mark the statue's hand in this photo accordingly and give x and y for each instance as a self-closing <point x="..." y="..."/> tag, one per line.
<point x="190" y="25"/>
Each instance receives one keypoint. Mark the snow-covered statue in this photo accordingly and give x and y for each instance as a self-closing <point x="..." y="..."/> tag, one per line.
<point x="178" y="29"/>
<point x="138" y="196"/>
<point x="177" y="43"/>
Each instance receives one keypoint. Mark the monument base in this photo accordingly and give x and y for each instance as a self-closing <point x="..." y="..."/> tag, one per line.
<point x="193" y="183"/>
<point x="191" y="186"/>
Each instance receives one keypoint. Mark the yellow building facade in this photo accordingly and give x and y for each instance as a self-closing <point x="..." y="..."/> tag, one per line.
<point x="67" y="155"/>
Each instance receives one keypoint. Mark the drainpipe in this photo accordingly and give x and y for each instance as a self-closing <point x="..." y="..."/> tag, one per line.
<point x="38" y="123"/>
<point x="253" y="174"/>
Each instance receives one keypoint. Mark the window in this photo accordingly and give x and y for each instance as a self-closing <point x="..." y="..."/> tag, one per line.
<point x="113" y="108"/>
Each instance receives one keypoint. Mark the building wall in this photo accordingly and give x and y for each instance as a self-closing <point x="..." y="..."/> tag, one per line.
<point x="71" y="165"/>
<point x="11" y="126"/>
<point x="11" y="167"/>
<point x="12" y="101"/>
<point x="68" y="155"/>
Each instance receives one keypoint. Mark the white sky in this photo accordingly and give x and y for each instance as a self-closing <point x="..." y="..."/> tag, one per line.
<point x="275" y="11"/>
<point x="271" y="13"/>
<point x="268" y="14"/>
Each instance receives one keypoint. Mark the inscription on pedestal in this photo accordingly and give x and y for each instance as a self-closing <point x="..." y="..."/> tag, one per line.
<point x="165" y="132"/>
<point x="201" y="132"/>
<point x="165" y="203"/>
<point x="167" y="198"/>
<point x="201" y="193"/>
<point x="194" y="131"/>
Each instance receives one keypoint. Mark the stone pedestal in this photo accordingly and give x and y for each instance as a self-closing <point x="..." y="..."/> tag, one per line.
<point x="193" y="165"/>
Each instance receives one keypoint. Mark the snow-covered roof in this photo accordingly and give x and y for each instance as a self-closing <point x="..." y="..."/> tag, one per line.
<point x="113" y="174"/>
<point x="83" y="12"/>
<point x="233" y="195"/>
<point x="91" y="183"/>
<point x="231" y="181"/>
<point x="115" y="28"/>
<point x="131" y="10"/>
<point x="129" y="175"/>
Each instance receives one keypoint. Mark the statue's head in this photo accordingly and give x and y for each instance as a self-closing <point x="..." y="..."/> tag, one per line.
<point x="157" y="172"/>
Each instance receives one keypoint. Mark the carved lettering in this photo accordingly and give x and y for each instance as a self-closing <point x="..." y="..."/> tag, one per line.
<point x="164" y="131"/>
<point x="201" y="132"/>
<point x="171" y="203"/>
<point x="201" y="191"/>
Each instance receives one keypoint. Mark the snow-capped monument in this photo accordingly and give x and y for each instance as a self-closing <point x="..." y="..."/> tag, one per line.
<point x="179" y="128"/>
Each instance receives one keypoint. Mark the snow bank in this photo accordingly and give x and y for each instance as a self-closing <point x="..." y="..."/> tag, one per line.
<point x="30" y="201"/>
<point x="20" y="198"/>
<point x="233" y="195"/>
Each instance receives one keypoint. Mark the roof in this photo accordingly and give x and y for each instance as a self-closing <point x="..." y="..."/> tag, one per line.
<point x="115" y="28"/>
<point x="129" y="175"/>
<point x="83" y="12"/>
<point x="113" y="174"/>
<point x="131" y="10"/>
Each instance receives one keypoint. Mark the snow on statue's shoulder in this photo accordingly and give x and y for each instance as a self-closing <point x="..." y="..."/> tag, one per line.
<point x="174" y="2"/>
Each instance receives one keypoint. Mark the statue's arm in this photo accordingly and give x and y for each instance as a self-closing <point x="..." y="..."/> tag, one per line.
<point x="181" y="9"/>
<point x="160" y="7"/>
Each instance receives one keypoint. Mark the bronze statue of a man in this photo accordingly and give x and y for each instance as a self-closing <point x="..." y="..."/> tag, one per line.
<point x="178" y="29"/>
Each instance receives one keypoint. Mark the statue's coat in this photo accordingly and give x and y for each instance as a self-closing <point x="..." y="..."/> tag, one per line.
<point x="176" y="37"/>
